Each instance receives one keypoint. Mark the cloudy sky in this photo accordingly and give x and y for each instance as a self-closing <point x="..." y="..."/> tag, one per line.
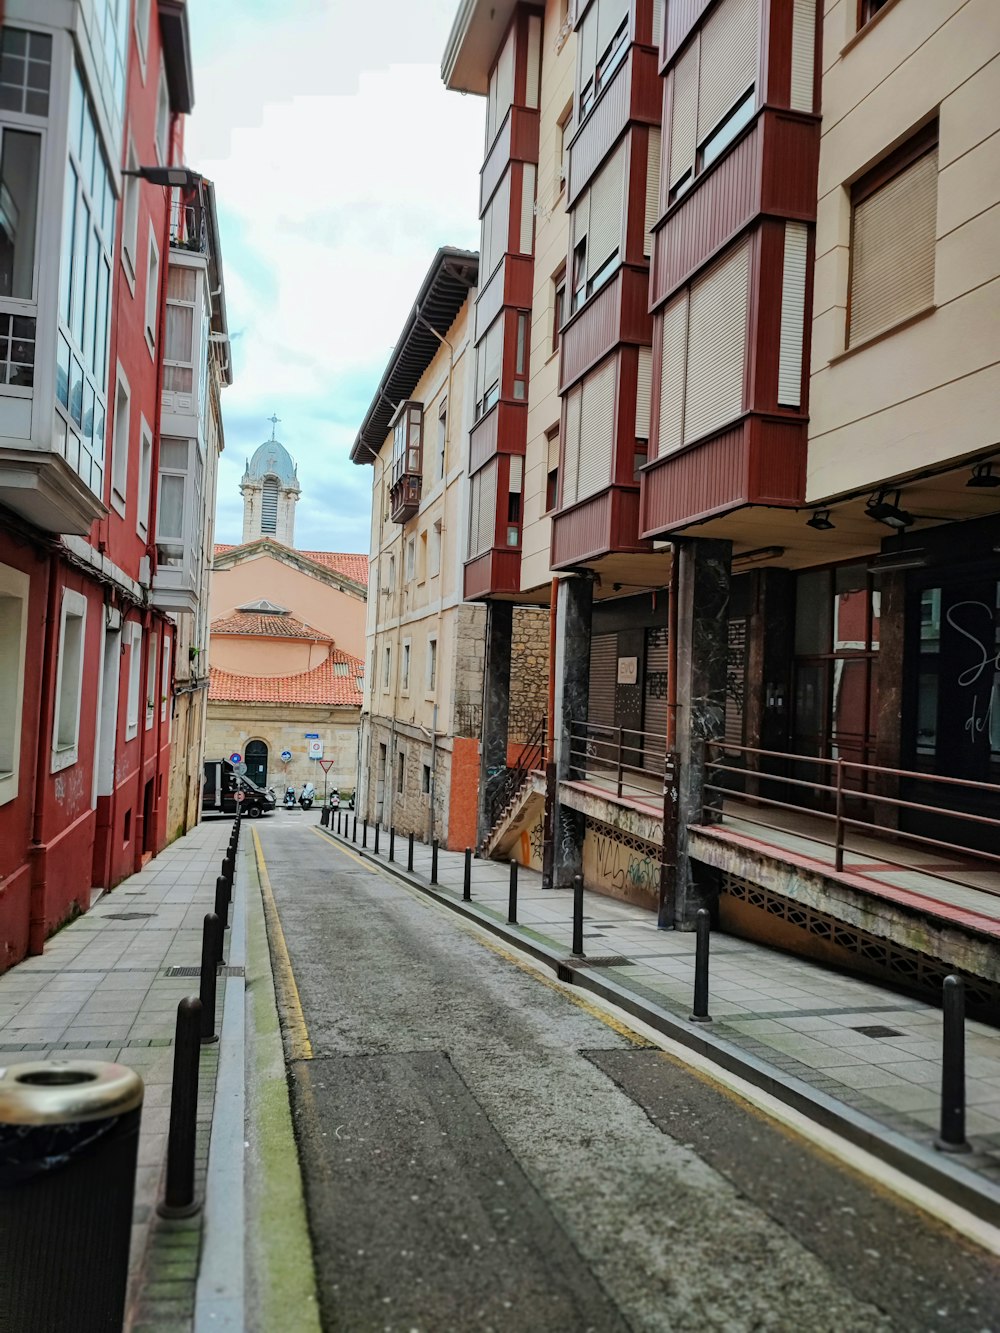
<point x="340" y="164"/>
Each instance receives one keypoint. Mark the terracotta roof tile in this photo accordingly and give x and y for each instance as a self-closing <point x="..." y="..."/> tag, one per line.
<point x="333" y="682"/>
<point x="268" y="626"/>
<point x="347" y="563"/>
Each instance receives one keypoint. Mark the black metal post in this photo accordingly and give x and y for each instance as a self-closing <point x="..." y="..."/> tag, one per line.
<point x="338" y="823"/>
<point x="578" y="915"/>
<point x="392" y="844"/>
<point x="354" y="830"/>
<point x="409" y="854"/>
<point x="512" y="895"/>
<point x="378" y="829"/>
<point x="364" y="833"/>
<point x="952" y="1137"/>
<point x="434" y="861"/>
<point x="228" y="869"/>
<point x="211" y="957"/>
<point x="467" y="877"/>
<point x="178" y="1197"/>
<point x="703" y="929"/>
<point x="222" y="899"/>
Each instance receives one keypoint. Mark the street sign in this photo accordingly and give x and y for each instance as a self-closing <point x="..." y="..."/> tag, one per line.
<point x="235" y="757"/>
<point x="285" y="756"/>
<point x="311" y="735"/>
<point x="239" y="768"/>
<point x="315" y="748"/>
<point x="239" y="797"/>
<point x="326" y="764"/>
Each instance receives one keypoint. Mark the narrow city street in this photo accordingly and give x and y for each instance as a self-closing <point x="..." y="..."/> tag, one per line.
<point x="484" y="1150"/>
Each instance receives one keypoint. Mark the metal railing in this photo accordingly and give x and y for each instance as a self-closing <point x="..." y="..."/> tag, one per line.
<point x="629" y="762"/>
<point x="853" y="796"/>
<point x="504" y="787"/>
<point x="188" y="225"/>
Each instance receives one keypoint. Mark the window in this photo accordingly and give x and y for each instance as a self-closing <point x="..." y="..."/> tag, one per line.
<point x="130" y="217"/>
<point x="142" y="31"/>
<point x="407" y="447"/>
<point x="442" y="438"/>
<point x="105" y="30"/>
<point x="514" y="487"/>
<point x="165" y="681"/>
<point x="425" y="779"/>
<point x="400" y="771"/>
<point x="386" y="669"/>
<point x="598" y="219"/>
<point x="179" y="329"/>
<point x="488" y="359"/>
<point x="552" y="468"/>
<point x="500" y="93"/>
<point x="432" y="663"/>
<point x="558" y="306"/>
<point x="20" y="159"/>
<point x="152" y="676"/>
<point x="152" y="291"/>
<point x="120" y="442"/>
<point x="703" y="351"/>
<point x="134" y="640"/>
<point x="602" y="41"/>
<point x="564" y="130"/>
<point x="422" y="558"/>
<point x="405" y="670"/>
<point x="483" y="509"/>
<point x="390" y="581"/>
<point x="435" y="550"/>
<point x="496" y="230"/>
<point x="25" y="71"/>
<point x="145" y="474"/>
<point x="411" y="548"/>
<point x="14" y="592"/>
<point x="521" y="356"/>
<point x="867" y="9"/>
<point x="893" y="228"/>
<point x="589" y="443"/>
<point x="713" y="90"/>
<point x="88" y="228"/>
<point x="69" y="680"/>
<point x="269" y="494"/>
<point x="162" y="120"/>
<point x="173" y="503"/>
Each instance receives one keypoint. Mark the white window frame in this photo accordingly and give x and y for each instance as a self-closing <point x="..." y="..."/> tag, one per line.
<point x="15" y="588"/>
<point x="130" y="217"/>
<point x="166" y="713"/>
<point x="134" y="631"/>
<point x="141" y="24"/>
<point x="432" y="664"/>
<point x="162" y="118"/>
<point x="386" y="667"/>
<point x="404" y="670"/>
<point x="69" y="681"/>
<point x="411" y="558"/>
<point x="145" y="478"/>
<point x="119" y="447"/>
<point x="152" y="293"/>
<point x="152" y="675"/>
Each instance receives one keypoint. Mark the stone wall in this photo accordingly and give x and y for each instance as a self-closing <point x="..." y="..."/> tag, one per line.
<point x="470" y="661"/>
<point x="529" y="670"/>
<point x="408" y="810"/>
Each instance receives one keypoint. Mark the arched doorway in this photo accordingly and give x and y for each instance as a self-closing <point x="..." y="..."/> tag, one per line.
<point x="255" y="757"/>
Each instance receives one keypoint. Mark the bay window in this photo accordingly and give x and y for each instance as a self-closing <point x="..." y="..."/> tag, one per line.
<point x="483" y="509"/>
<point x="489" y="354"/>
<point x="598" y="223"/>
<point x="602" y="41"/>
<point x="500" y="94"/>
<point x="179" y="334"/>
<point x="589" y="443"/>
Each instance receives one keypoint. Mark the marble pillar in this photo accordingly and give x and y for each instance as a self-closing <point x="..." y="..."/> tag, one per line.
<point x="574" y="609"/>
<point x="496" y="704"/>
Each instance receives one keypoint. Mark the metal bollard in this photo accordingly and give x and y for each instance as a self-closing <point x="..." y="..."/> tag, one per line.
<point x="378" y="830"/>
<point x="228" y="869"/>
<point x="354" y="830"/>
<point x="392" y="844"/>
<point x="467" y="877"/>
<point x="364" y="833"/>
<point x="512" y="895"/>
<point x="211" y="957"/>
<point x="178" y="1197"/>
<point x="338" y="823"/>
<point x="703" y="929"/>
<point x="409" y="854"/>
<point x="952" y="1137"/>
<point x="578" y="915"/>
<point x="324" y="817"/>
<point x="222" y="899"/>
<point x="434" y="861"/>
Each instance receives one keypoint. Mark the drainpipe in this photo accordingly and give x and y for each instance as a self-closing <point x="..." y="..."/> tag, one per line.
<point x="672" y="653"/>
<point x="46" y="695"/>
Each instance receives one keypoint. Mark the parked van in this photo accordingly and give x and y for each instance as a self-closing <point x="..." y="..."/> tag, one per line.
<point x="220" y="785"/>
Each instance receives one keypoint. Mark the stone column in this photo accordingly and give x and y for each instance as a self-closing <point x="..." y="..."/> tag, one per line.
<point x="496" y="703"/>
<point x="574" y="608"/>
<point x="700" y="661"/>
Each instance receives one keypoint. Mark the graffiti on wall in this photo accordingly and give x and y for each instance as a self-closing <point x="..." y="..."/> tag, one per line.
<point x="619" y="861"/>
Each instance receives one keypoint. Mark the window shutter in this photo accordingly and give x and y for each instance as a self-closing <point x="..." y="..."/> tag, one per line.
<point x="581" y="218"/>
<point x="652" y="188"/>
<point x="487" y="506"/>
<point x="586" y="36"/>
<point x="603" y="676"/>
<point x="609" y="18"/>
<point x="657" y="20"/>
<point x="571" y="448"/>
<point x="654" y="702"/>
<point x="496" y="224"/>
<point x="793" y="305"/>
<point x="489" y="353"/>
<point x="716" y="350"/>
<point x="516" y="481"/>
<point x="534" y="58"/>
<point x="553" y="451"/>
<point x="803" y="55"/>
<point x="892" y="250"/>
<point x="597" y="421"/>
<point x="527" y="208"/>
<point x="684" y="114"/>
<point x="607" y="194"/>
<point x="730" y="45"/>
<point x="643" y="388"/>
<point x="505" y="81"/>
<point x="673" y="353"/>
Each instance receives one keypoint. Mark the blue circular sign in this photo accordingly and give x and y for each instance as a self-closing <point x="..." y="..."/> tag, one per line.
<point x="235" y="758"/>
<point x="286" y="755"/>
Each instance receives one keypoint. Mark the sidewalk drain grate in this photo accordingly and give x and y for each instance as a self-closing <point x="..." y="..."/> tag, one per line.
<point x="612" y="960"/>
<point x="875" y="1030"/>
<point x="127" y="916"/>
<point x="230" y="970"/>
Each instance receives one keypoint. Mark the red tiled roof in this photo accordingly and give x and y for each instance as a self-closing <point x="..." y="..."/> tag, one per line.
<point x="346" y="563"/>
<point x="325" y="684"/>
<point x="268" y="626"/>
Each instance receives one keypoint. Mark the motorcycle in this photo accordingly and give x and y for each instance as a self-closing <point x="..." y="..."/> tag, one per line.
<point x="289" y="801"/>
<point x="307" y="796"/>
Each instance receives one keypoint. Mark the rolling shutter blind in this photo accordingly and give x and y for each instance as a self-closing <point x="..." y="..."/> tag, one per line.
<point x="475" y="485"/>
<point x="657" y="20"/>
<point x="527" y="208"/>
<point x="803" y="55"/>
<point x="597" y="419"/>
<point x="654" y="702"/>
<point x="793" y="305"/>
<point x="516" y="474"/>
<point x="684" y="114"/>
<point x="716" y="346"/>
<point x="603" y="674"/>
<point x="607" y="194"/>
<point x="571" y="449"/>
<point x="483" y="509"/>
<point x="552" y="452"/>
<point x="534" y="57"/>
<point x="496" y="222"/>
<point x="729" y="58"/>
<point x="488" y="362"/>
<point x="673" y="346"/>
<point x="652" y="188"/>
<point x="505" y="82"/>
<point x="892" y="250"/>
<point x="610" y="14"/>
<point x="586" y="36"/>
<point x="643" y="389"/>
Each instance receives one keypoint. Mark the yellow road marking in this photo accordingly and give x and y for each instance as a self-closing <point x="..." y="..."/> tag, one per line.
<point x="343" y="850"/>
<point x="293" y="1019"/>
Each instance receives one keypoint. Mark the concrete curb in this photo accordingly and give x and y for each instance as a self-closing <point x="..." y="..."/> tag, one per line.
<point x="929" y="1169"/>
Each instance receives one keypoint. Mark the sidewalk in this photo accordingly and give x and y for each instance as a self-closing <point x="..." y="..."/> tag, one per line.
<point x="102" y="991"/>
<point x="868" y="1048"/>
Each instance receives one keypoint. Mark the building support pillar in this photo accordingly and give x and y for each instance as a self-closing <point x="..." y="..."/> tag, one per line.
<point x="704" y="571"/>
<point x="889" y="718"/>
<point x="496" y="706"/>
<point x="574" y="614"/>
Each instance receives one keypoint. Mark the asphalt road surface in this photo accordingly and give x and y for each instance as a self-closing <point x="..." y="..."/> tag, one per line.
<point x="483" y="1152"/>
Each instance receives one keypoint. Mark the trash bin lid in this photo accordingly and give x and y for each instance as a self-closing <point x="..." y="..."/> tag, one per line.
<point x="60" y="1092"/>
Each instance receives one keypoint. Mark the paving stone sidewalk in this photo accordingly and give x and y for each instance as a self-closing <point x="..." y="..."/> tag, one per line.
<point x="872" y="1048"/>
<point x="100" y="991"/>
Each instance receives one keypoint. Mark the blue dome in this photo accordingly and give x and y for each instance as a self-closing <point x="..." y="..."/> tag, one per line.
<point x="272" y="459"/>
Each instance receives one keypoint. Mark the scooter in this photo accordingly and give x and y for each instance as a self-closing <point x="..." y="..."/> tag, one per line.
<point x="307" y="796"/>
<point x="289" y="801"/>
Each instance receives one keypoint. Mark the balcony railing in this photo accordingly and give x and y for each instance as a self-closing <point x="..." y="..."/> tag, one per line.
<point x="188" y="224"/>
<point x="625" y="761"/>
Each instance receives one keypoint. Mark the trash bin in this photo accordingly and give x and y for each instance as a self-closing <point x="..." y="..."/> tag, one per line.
<point x="69" y="1136"/>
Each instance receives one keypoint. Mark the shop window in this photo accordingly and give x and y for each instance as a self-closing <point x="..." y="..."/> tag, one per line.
<point x="14" y="593"/>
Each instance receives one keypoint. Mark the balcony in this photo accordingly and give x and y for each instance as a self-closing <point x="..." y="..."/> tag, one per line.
<point x="40" y="486"/>
<point x="492" y="574"/>
<point x="615" y="314"/>
<point x="603" y="524"/>
<point x="404" y="496"/>
<point x="407" y="461"/>
<point x="633" y="94"/>
<point x="176" y="583"/>
<point x="517" y="141"/>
